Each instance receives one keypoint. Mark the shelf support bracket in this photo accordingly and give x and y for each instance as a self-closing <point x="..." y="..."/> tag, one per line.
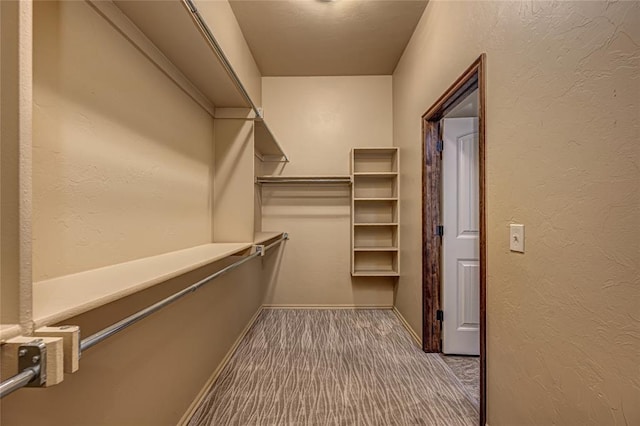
<point x="33" y="355"/>
<point x="70" y="335"/>
<point x="32" y="366"/>
<point x="24" y="352"/>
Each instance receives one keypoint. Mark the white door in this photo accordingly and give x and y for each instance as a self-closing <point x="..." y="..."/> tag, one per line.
<point x="460" y="241"/>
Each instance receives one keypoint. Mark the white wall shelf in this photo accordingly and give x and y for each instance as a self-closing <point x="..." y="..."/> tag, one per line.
<point x="376" y="174"/>
<point x="375" y="224"/>
<point x="375" y="212"/>
<point x="177" y="39"/>
<point x="58" y="299"/>
<point x="170" y="26"/>
<point x="264" y="237"/>
<point x="266" y="145"/>
<point x="376" y="249"/>
<point x="305" y="179"/>
<point x="375" y="198"/>
<point x="365" y="273"/>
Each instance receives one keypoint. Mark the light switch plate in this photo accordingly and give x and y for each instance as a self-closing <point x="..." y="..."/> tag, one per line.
<point x="516" y="237"/>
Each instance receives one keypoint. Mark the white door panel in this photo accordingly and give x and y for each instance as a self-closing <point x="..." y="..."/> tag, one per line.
<point x="460" y="242"/>
<point x="468" y="294"/>
<point x="467" y="185"/>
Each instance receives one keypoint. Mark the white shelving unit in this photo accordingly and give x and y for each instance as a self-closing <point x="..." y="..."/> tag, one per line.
<point x="375" y="212"/>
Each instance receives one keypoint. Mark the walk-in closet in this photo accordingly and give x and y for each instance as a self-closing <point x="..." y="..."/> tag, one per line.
<point x="313" y="212"/>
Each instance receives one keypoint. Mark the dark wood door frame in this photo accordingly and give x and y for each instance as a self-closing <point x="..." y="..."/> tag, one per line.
<point x="472" y="78"/>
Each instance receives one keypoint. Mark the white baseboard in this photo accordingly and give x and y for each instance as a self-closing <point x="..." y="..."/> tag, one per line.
<point x="299" y="306"/>
<point x="406" y="325"/>
<point x="203" y="392"/>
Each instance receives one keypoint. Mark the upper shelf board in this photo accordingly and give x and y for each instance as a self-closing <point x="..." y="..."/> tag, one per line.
<point x="170" y="26"/>
<point x="266" y="236"/>
<point x="169" y="34"/>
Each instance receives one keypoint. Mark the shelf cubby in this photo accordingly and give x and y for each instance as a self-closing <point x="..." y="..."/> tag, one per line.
<point x="375" y="263"/>
<point x="375" y="160"/>
<point x="375" y="211"/>
<point x="372" y="186"/>
<point x="375" y="236"/>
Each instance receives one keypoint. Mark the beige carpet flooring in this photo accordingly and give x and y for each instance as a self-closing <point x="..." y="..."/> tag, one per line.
<point x="334" y="367"/>
<point x="467" y="370"/>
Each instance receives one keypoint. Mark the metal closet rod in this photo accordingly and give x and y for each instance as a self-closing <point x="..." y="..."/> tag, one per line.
<point x="285" y="179"/>
<point x="26" y="376"/>
<point x="18" y="381"/>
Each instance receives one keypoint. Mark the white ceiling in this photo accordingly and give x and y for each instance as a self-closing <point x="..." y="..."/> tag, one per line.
<point x="315" y="37"/>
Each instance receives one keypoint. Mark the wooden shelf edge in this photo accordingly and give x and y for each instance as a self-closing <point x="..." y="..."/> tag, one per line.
<point x="376" y="148"/>
<point x="376" y="174"/>
<point x="266" y="145"/>
<point x="304" y="176"/>
<point x="263" y="237"/>
<point x="376" y="224"/>
<point x="382" y="249"/>
<point x="376" y="199"/>
<point x="375" y="274"/>
<point x="9" y="331"/>
<point x="60" y="298"/>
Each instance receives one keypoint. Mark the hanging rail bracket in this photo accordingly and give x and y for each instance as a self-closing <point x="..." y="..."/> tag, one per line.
<point x="32" y="367"/>
<point x="33" y="356"/>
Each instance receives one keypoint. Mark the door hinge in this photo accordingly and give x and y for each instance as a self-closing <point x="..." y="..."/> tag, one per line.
<point x="439" y="146"/>
<point x="439" y="315"/>
<point x="439" y="230"/>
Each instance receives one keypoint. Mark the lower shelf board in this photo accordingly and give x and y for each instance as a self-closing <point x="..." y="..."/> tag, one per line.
<point x="265" y="236"/>
<point x="375" y="274"/>
<point x="60" y="298"/>
<point x="375" y="249"/>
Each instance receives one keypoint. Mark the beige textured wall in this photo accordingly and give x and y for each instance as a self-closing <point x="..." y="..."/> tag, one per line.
<point x="16" y="107"/>
<point x="150" y="373"/>
<point x="563" y="86"/>
<point x="233" y="208"/>
<point x="122" y="157"/>
<point x="9" y="240"/>
<point x="317" y="121"/>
